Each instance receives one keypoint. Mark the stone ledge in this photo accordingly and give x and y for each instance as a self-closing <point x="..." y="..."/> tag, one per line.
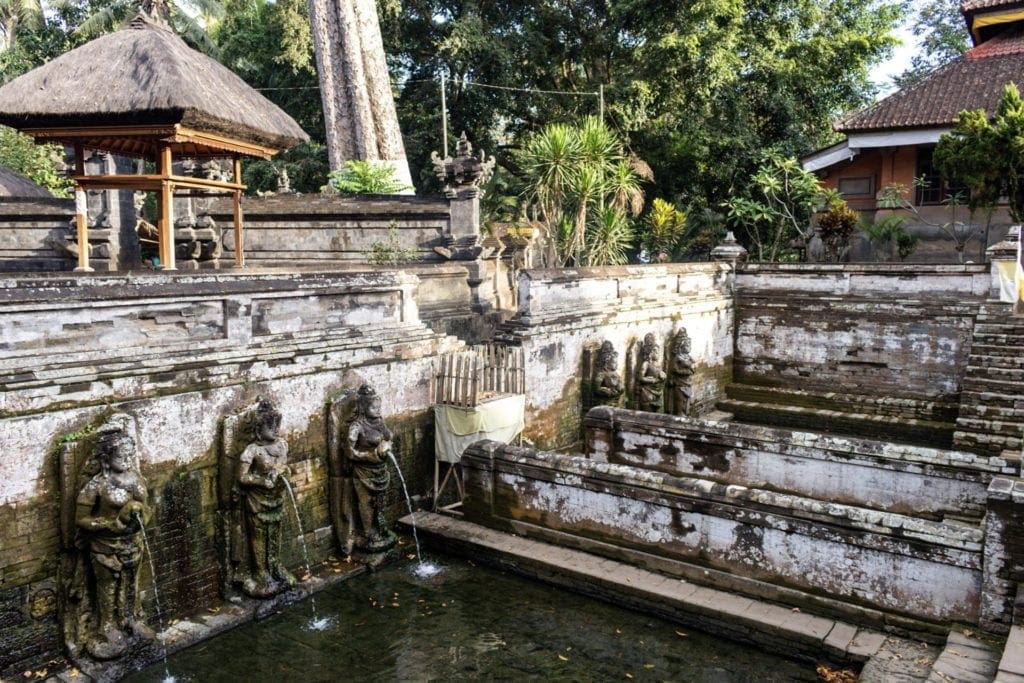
<point x="735" y="616"/>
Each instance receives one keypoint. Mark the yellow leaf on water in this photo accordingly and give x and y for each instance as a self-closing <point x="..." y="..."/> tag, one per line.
<point x="629" y="675"/>
<point x="563" y="658"/>
<point x="681" y="634"/>
<point x="648" y="666"/>
<point x="411" y="556"/>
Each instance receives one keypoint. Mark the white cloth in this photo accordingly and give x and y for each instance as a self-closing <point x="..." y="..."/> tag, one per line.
<point x="500" y="419"/>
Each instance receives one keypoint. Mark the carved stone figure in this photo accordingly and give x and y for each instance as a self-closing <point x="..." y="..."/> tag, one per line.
<point x="362" y="447"/>
<point x="608" y="386"/>
<point x="110" y="511"/>
<point x="650" y="384"/>
<point x="258" y="499"/>
<point x="681" y="369"/>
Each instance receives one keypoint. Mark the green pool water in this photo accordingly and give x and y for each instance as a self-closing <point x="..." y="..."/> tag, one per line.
<point x="469" y="622"/>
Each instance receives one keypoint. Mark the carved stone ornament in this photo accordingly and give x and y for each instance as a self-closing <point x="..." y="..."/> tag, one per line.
<point x="463" y="175"/>
<point x="104" y="542"/>
<point x="650" y="376"/>
<point x="607" y="383"/>
<point x="681" y="369"/>
<point x="359" y="450"/>
<point x="254" y="470"/>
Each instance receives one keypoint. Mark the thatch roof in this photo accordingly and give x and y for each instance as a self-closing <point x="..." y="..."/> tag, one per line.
<point x="144" y="74"/>
<point x="16" y="185"/>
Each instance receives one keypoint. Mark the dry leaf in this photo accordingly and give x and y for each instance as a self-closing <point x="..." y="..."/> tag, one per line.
<point x="682" y="635"/>
<point x="629" y="675"/>
<point x="563" y="658"/>
<point x="648" y="666"/>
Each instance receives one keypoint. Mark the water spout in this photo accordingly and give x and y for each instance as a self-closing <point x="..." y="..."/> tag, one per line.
<point x="424" y="570"/>
<point x="315" y="623"/>
<point x="168" y="678"/>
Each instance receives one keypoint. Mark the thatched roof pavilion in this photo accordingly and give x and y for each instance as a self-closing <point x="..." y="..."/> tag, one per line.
<point x="143" y="92"/>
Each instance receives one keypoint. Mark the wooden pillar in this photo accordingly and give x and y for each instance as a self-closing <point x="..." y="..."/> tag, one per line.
<point x="165" y="208"/>
<point x="81" y="214"/>
<point x="237" y="197"/>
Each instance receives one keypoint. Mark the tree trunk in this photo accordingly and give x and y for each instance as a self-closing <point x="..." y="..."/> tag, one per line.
<point x="359" y="108"/>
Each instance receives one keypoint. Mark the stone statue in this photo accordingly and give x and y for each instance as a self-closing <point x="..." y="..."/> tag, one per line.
<point x="650" y="385"/>
<point x="363" y="448"/>
<point x="681" y="369"/>
<point x="110" y="512"/>
<point x="260" y="493"/>
<point x="608" y="387"/>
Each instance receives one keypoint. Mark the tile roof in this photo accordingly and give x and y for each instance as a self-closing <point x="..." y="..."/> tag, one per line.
<point x="973" y="81"/>
<point x="974" y="5"/>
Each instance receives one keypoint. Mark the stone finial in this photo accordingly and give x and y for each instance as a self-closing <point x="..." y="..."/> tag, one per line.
<point x="463" y="175"/>
<point x="1006" y="250"/>
<point x="729" y="250"/>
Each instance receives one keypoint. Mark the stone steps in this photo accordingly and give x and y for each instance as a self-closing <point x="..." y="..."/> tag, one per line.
<point x="1000" y="361"/>
<point x="990" y="410"/>
<point x="845" y="402"/>
<point x="965" y="659"/>
<point x="985" y="443"/>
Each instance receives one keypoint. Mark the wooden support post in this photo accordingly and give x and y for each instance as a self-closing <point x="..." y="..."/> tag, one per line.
<point x="237" y="196"/>
<point x="165" y="205"/>
<point x="81" y="215"/>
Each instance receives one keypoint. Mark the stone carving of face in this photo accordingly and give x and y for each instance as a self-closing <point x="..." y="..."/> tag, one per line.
<point x="369" y="401"/>
<point x="268" y="422"/>
<point x="650" y="347"/>
<point x="115" y="450"/>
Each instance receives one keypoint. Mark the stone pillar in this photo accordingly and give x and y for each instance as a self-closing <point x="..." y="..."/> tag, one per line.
<point x="462" y="177"/>
<point x="1002" y="256"/>
<point x="599" y="433"/>
<point x="1003" y="563"/>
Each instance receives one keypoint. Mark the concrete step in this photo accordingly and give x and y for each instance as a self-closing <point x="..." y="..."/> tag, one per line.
<point x="973" y="397"/>
<point x="934" y="433"/>
<point x="983" y="384"/>
<point x="976" y="372"/>
<point x="1011" y="666"/>
<point x="1013" y="361"/>
<point x="1002" y="350"/>
<point x="985" y="442"/>
<point x="990" y="412"/>
<point x="965" y="659"/>
<point x="1004" y="427"/>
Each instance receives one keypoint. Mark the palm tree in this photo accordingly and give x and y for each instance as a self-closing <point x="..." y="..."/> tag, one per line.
<point x="191" y="19"/>
<point x="575" y="173"/>
<point x="17" y="13"/>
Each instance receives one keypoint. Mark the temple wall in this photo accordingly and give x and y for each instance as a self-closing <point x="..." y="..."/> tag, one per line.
<point x="885" y="343"/>
<point x="25" y="226"/>
<point x="924" y="482"/>
<point x="564" y="315"/>
<point x="180" y="353"/>
<point x="811" y="553"/>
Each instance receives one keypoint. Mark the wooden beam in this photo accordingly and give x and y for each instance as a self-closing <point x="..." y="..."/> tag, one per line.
<point x="180" y="139"/>
<point x="165" y="223"/>
<point x="151" y="182"/>
<point x="81" y="215"/>
<point x="237" y="206"/>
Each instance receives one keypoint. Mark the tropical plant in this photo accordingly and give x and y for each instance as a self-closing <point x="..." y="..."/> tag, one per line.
<point x="776" y="207"/>
<point x="38" y="163"/>
<point x="890" y="233"/>
<point x="609" y="238"/>
<point x="836" y="225"/>
<point x="665" y="227"/>
<point x="190" y="19"/>
<point x="17" y="13"/>
<point x="988" y="156"/>
<point x="366" y="177"/>
<point x="572" y="174"/>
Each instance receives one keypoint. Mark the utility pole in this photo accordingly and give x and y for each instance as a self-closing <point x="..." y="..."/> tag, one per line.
<point x="444" y="117"/>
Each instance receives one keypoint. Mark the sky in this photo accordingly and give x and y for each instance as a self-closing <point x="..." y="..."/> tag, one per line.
<point x="900" y="60"/>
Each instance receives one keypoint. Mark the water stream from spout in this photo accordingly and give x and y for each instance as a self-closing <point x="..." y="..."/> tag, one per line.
<point x="424" y="570"/>
<point x="168" y="678"/>
<point x="316" y="623"/>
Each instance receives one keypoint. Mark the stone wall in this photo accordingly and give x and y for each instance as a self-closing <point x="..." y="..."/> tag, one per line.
<point x="180" y="353"/>
<point x="294" y="231"/>
<point x="26" y="225"/>
<point x="564" y="315"/>
<point x="1001" y="597"/>
<point x="814" y="552"/>
<point x="923" y="482"/>
<point x="875" y="350"/>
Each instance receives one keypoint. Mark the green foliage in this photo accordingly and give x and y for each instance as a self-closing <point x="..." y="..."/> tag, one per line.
<point x="15" y="14"/>
<point x="890" y="232"/>
<point x="391" y="252"/>
<point x="39" y="163"/>
<point x="988" y="156"/>
<point x="775" y="208"/>
<point x="571" y="172"/>
<point x="665" y="227"/>
<point x="366" y="177"/>
<point x="837" y="224"/>
<point x="609" y="238"/>
<point x="700" y="89"/>
<point x="939" y="28"/>
<point x="306" y="165"/>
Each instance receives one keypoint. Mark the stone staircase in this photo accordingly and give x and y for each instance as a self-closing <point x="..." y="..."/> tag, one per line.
<point x="991" y="416"/>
